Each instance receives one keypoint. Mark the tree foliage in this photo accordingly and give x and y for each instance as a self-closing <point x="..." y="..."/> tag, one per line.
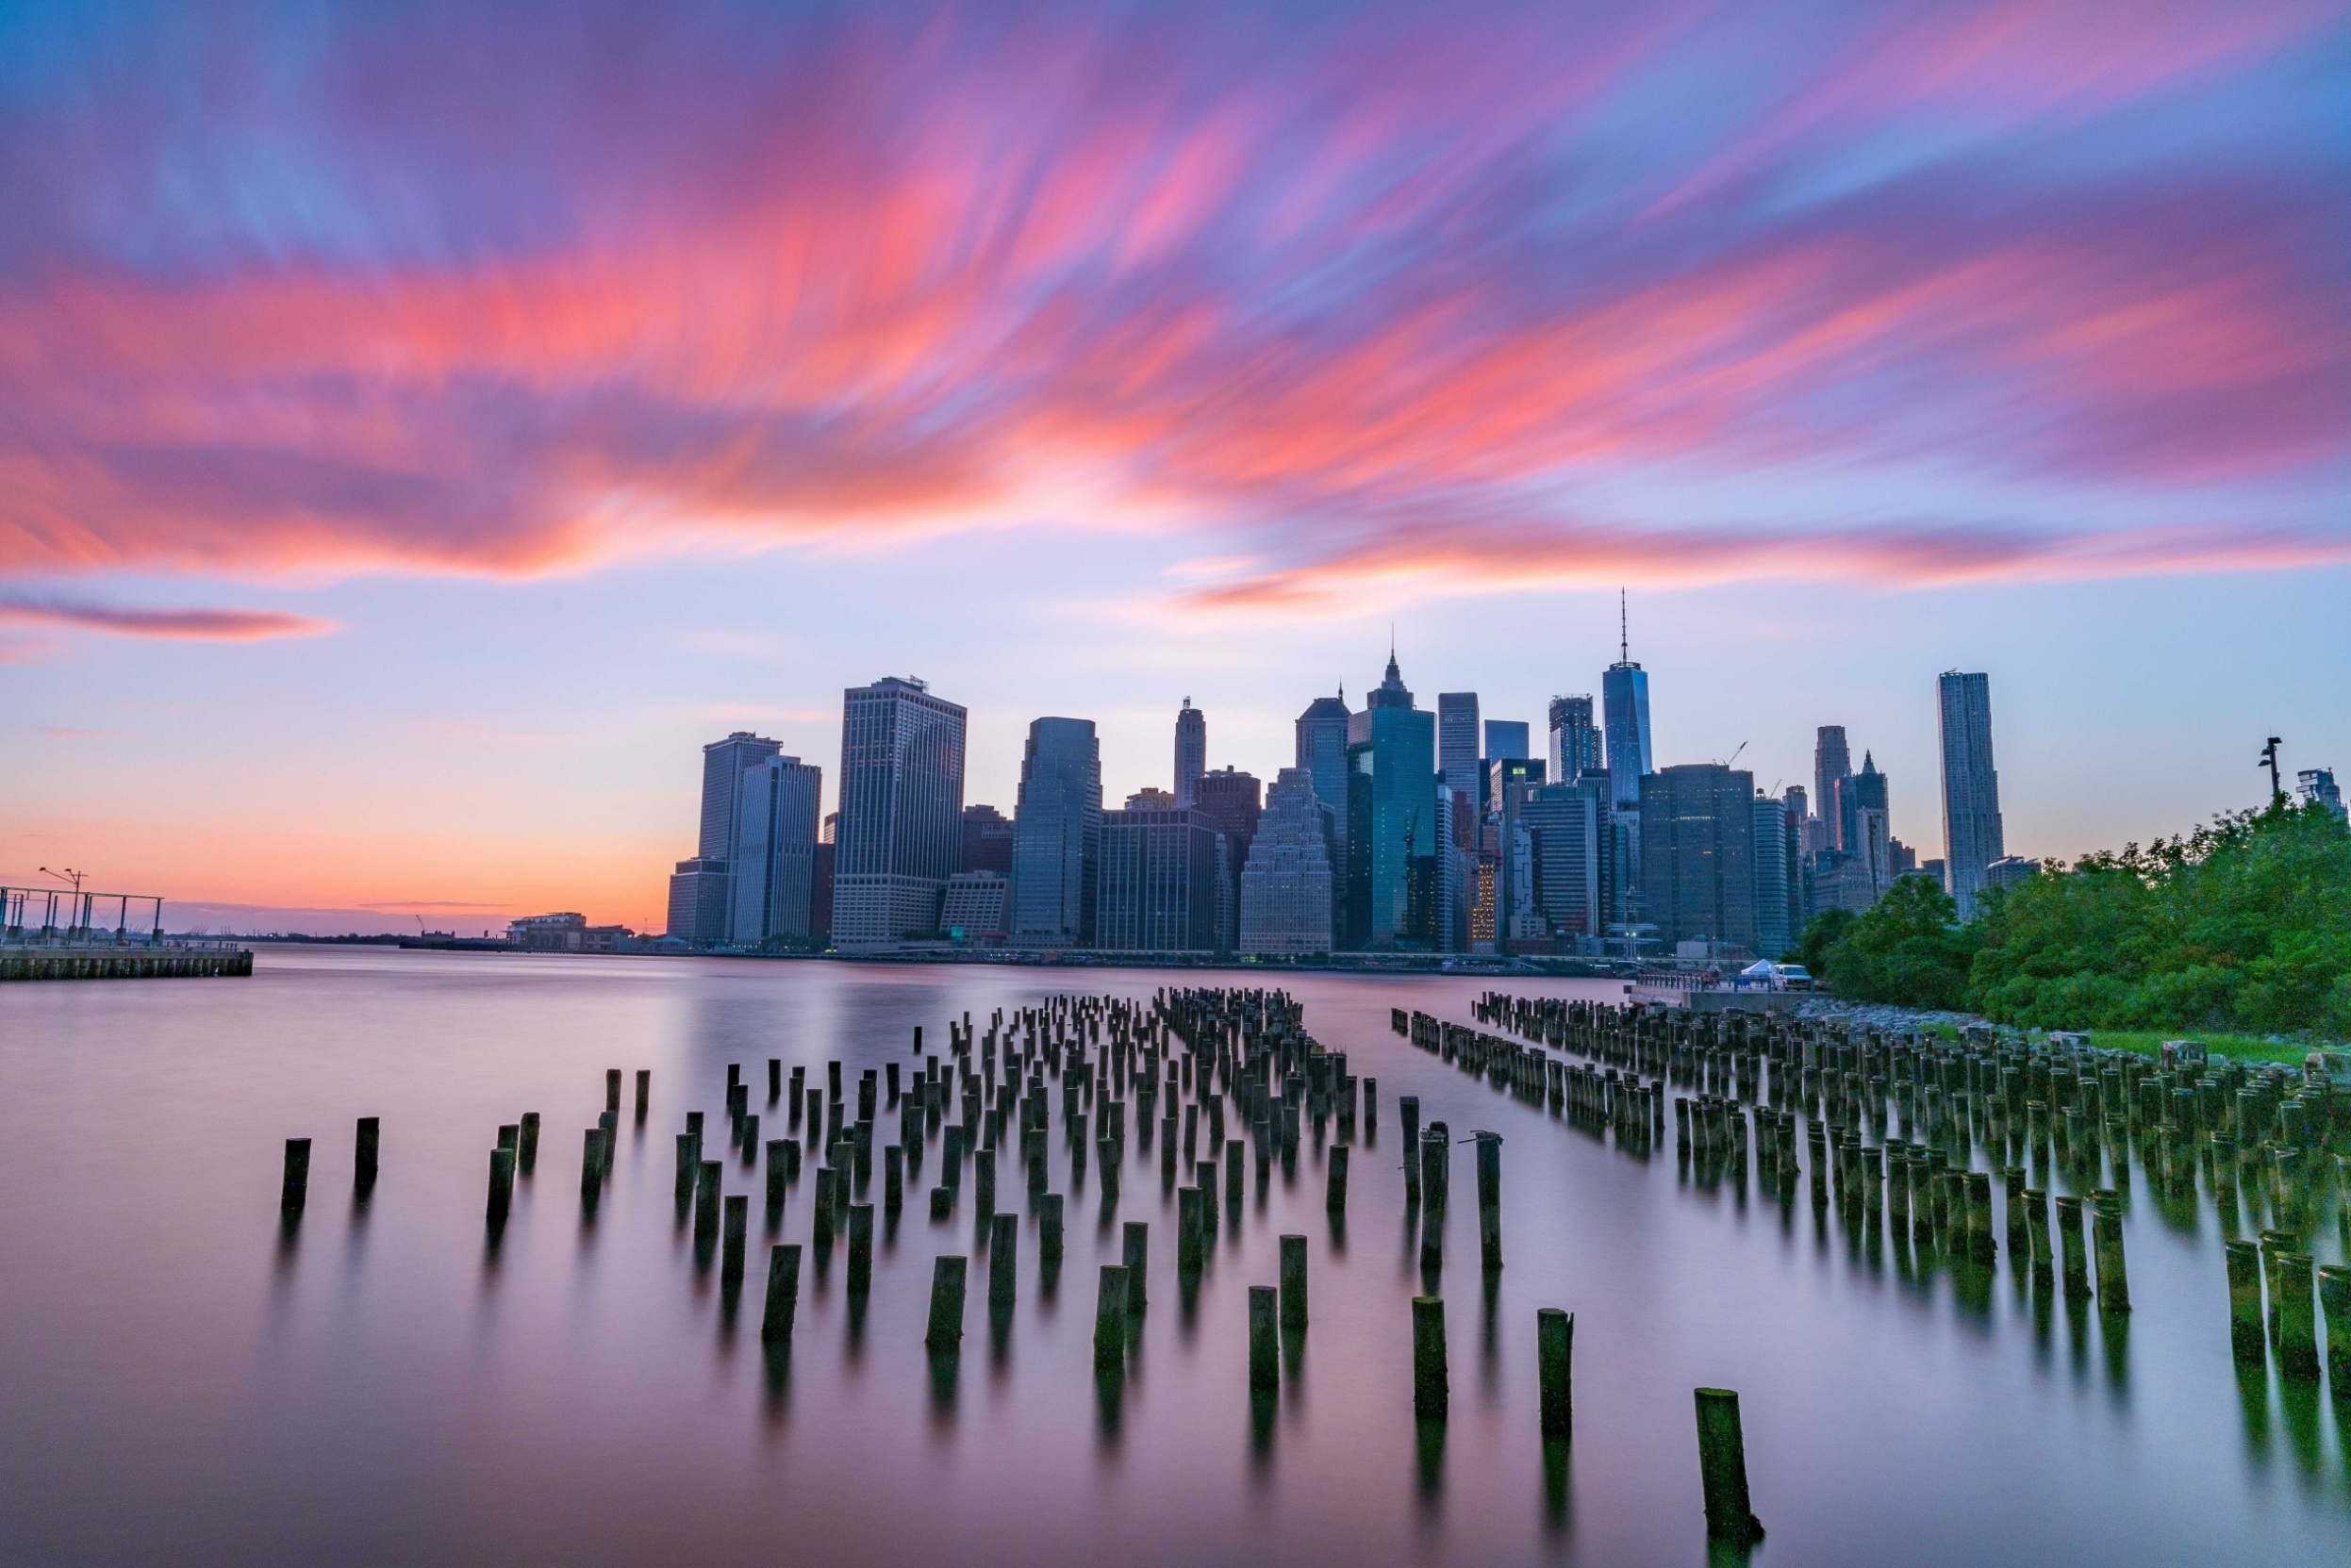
<point x="2244" y="925"/>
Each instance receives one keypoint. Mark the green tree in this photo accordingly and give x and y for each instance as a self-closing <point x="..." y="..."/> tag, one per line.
<point x="1908" y="948"/>
<point x="1821" y="932"/>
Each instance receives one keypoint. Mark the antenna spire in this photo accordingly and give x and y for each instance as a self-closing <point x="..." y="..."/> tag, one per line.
<point x="1624" y="637"/>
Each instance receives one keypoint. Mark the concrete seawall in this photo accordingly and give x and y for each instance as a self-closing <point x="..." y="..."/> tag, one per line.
<point x="122" y="964"/>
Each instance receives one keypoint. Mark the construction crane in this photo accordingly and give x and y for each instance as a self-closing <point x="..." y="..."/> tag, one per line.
<point x="1734" y="756"/>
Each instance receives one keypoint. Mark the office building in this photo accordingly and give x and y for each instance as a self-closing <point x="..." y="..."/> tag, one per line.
<point x="2008" y="870"/>
<point x="900" y="833"/>
<point x="1150" y="798"/>
<point x="820" y="883"/>
<point x="1505" y="737"/>
<point x="722" y="766"/>
<point x="1229" y="800"/>
<point x="772" y="874"/>
<point x="698" y="903"/>
<point x="1774" y="840"/>
<point x="1322" y="753"/>
<point x="1157" y="891"/>
<point x="1566" y="828"/>
<point x="987" y="840"/>
<point x="1575" y="742"/>
<point x="1972" y="839"/>
<point x="1625" y="701"/>
<point x="1518" y="917"/>
<point x="1191" y="751"/>
<point x="1393" y="826"/>
<point x="1832" y="762"/>
<point x="1865" y="826"/>
<point x="1056" y="834"/>
<point x="976" y="907"/>
<point x="2316" y="785"/>
<point x="1457" y="740"/>
<point x="1697" y="854"/>
<point x="1286" y="881"/>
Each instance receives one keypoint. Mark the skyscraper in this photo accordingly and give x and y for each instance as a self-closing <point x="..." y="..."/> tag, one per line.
<point x="1697" y="853"/>
<point x="1286" y="883"/>
<point x="1157" y="888"/>
<point x="700" y="900"/>
<point x="1625" y="698"/>
<point x="1056" y="834"/>
<point x="776" y="848"/>
<point x="1575" y="744"/>
<point x="1772" y="837"/>
<point x="900" y="833"/>
<point x="1566" y="829"/>
<point x="2317" y="787"/>
<point x="1832" y="761"/>
<point x="1505" y="737"/>
<point x="1322" y="753"/>
<point x="1228" y="799"/>
<point x="1971" y="789"/>
<point x="1457" y="740"/>
<point x="1191" y="751"/>
<point x="1393" y="829"/>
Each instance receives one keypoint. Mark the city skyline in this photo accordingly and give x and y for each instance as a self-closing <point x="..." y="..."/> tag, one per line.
<point x="407" y="472"/>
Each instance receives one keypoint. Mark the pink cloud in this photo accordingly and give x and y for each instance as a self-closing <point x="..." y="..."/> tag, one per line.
<point x="198" y="625"/>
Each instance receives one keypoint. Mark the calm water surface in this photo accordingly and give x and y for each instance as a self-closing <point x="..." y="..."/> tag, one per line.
<point x="181" y="1385"/>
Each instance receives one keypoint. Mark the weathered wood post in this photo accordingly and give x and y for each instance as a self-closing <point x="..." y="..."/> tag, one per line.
<point x="500" y="1184"/>
<point x="946" y="1331"/>
<point x="2076" y="1263"/>
<point x="2106" y="1219"/>
<point x="783" y="1294"/>
<point x="828" y="1183"/>
<point x="2244" y="1299"/>
<point x="1293" y="1281"/>
<point x="293" y="1190"/>
<point x="1554" y="1348"/>
<point x="1264" y="1348"/>
<point x="1048" y="1230"/>
<point x="1189" y="1231"/>
<point x="860" y="1248"/>
<point x="1722" y="1466"/>
<point x="893" y="1178"/>
<point x="1408" y="1109"/>
<point x="612" y="1090"/>
<point x="1135" y="1250"/>
<point x="1489" y="1199"/>
<point x="364" y="1150"/>
<point x="592" y="1166"/>
<point x="527" y="1152"/>
<point x="2334" y="1296"/>
<point x="1432" y="1397"/>
<point x="644" y="1091"/>
<point x="2298" y="1328"/>
<point x="689" y="1162"/>
<point x="1110" y="1320"/>
<point x="738" y="1210"/>
<point x="1003" y="1237"/>
<point x="706" y="1199"/>
<point x="1334" y="1195"/>
<point x="777" y="1169"/>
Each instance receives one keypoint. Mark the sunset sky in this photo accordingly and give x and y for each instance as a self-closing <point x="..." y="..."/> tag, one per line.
<point x="423" y="426"/>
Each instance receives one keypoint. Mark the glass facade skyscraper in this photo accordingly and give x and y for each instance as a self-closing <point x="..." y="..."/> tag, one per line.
<point x="1191" y="751"/>
<point x="1056" y="834"/>
<point x="1574" y="741"/>
<point x="901" y="831"/>
<point x="775" y="849"/>
<point x="1697" y="853"/>
<point x="1393" y="828"/>
<point x="1972" y="839"/>
<point x="1458" y="757"/>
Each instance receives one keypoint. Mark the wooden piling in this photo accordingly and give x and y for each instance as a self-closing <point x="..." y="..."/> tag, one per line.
<point x="2244" y="1299"/>
<point x="1135" y="1252"/>
<point x="1264" y="1345"/>
<point x="1490" y="1198"/>
<point x="776" y="1170"/>
<point x="1110" y="1320"/>
<point x="689" y="1162"/>
<point x="612" y="1090"/>
<point x="644" y="1091"/>
<point x="775" y="1079"/>
<point x="1335" y="1197"/>
<point x="293" y="1190"/>
<point x="946" y="1329"/>
<point x="501" y="1182"/>
<point x="893" y="1178"/>
<point x="705" y="1199"/>
<point x="2334" y="1297"/>
<point x="1048" y="1230"/>
<point x="2106" y="1220"/>
<point x="527" y="1152"/>
<point x="2298" y="1328"/>
<point x="942" y="1202"/>
<point x="1002" y="1258"/>
<point x="828" y="1182"/>
<point x="592" y="1166"/>
<point x="1432" y="1396"/>
<point x="1722" y="1466"/>
<point x="1191" y="1239"/>
<point x="860" y="1248"/>
<point x="737" y="1211"/>
<point x="1293" y="1281"/>
<point x="775" y="1328"/>
<point x="1554" y="1348"/>
<point x="2075" y="1257"/>
<point x="364" y="1150"/>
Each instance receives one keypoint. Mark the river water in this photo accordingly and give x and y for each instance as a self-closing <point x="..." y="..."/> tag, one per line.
<point x="186" y="1382"/>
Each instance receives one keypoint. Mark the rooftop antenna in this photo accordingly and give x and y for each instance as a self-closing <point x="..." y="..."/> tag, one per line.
<point x="2269" y="756"/>
<point x="1624" y="636"/>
